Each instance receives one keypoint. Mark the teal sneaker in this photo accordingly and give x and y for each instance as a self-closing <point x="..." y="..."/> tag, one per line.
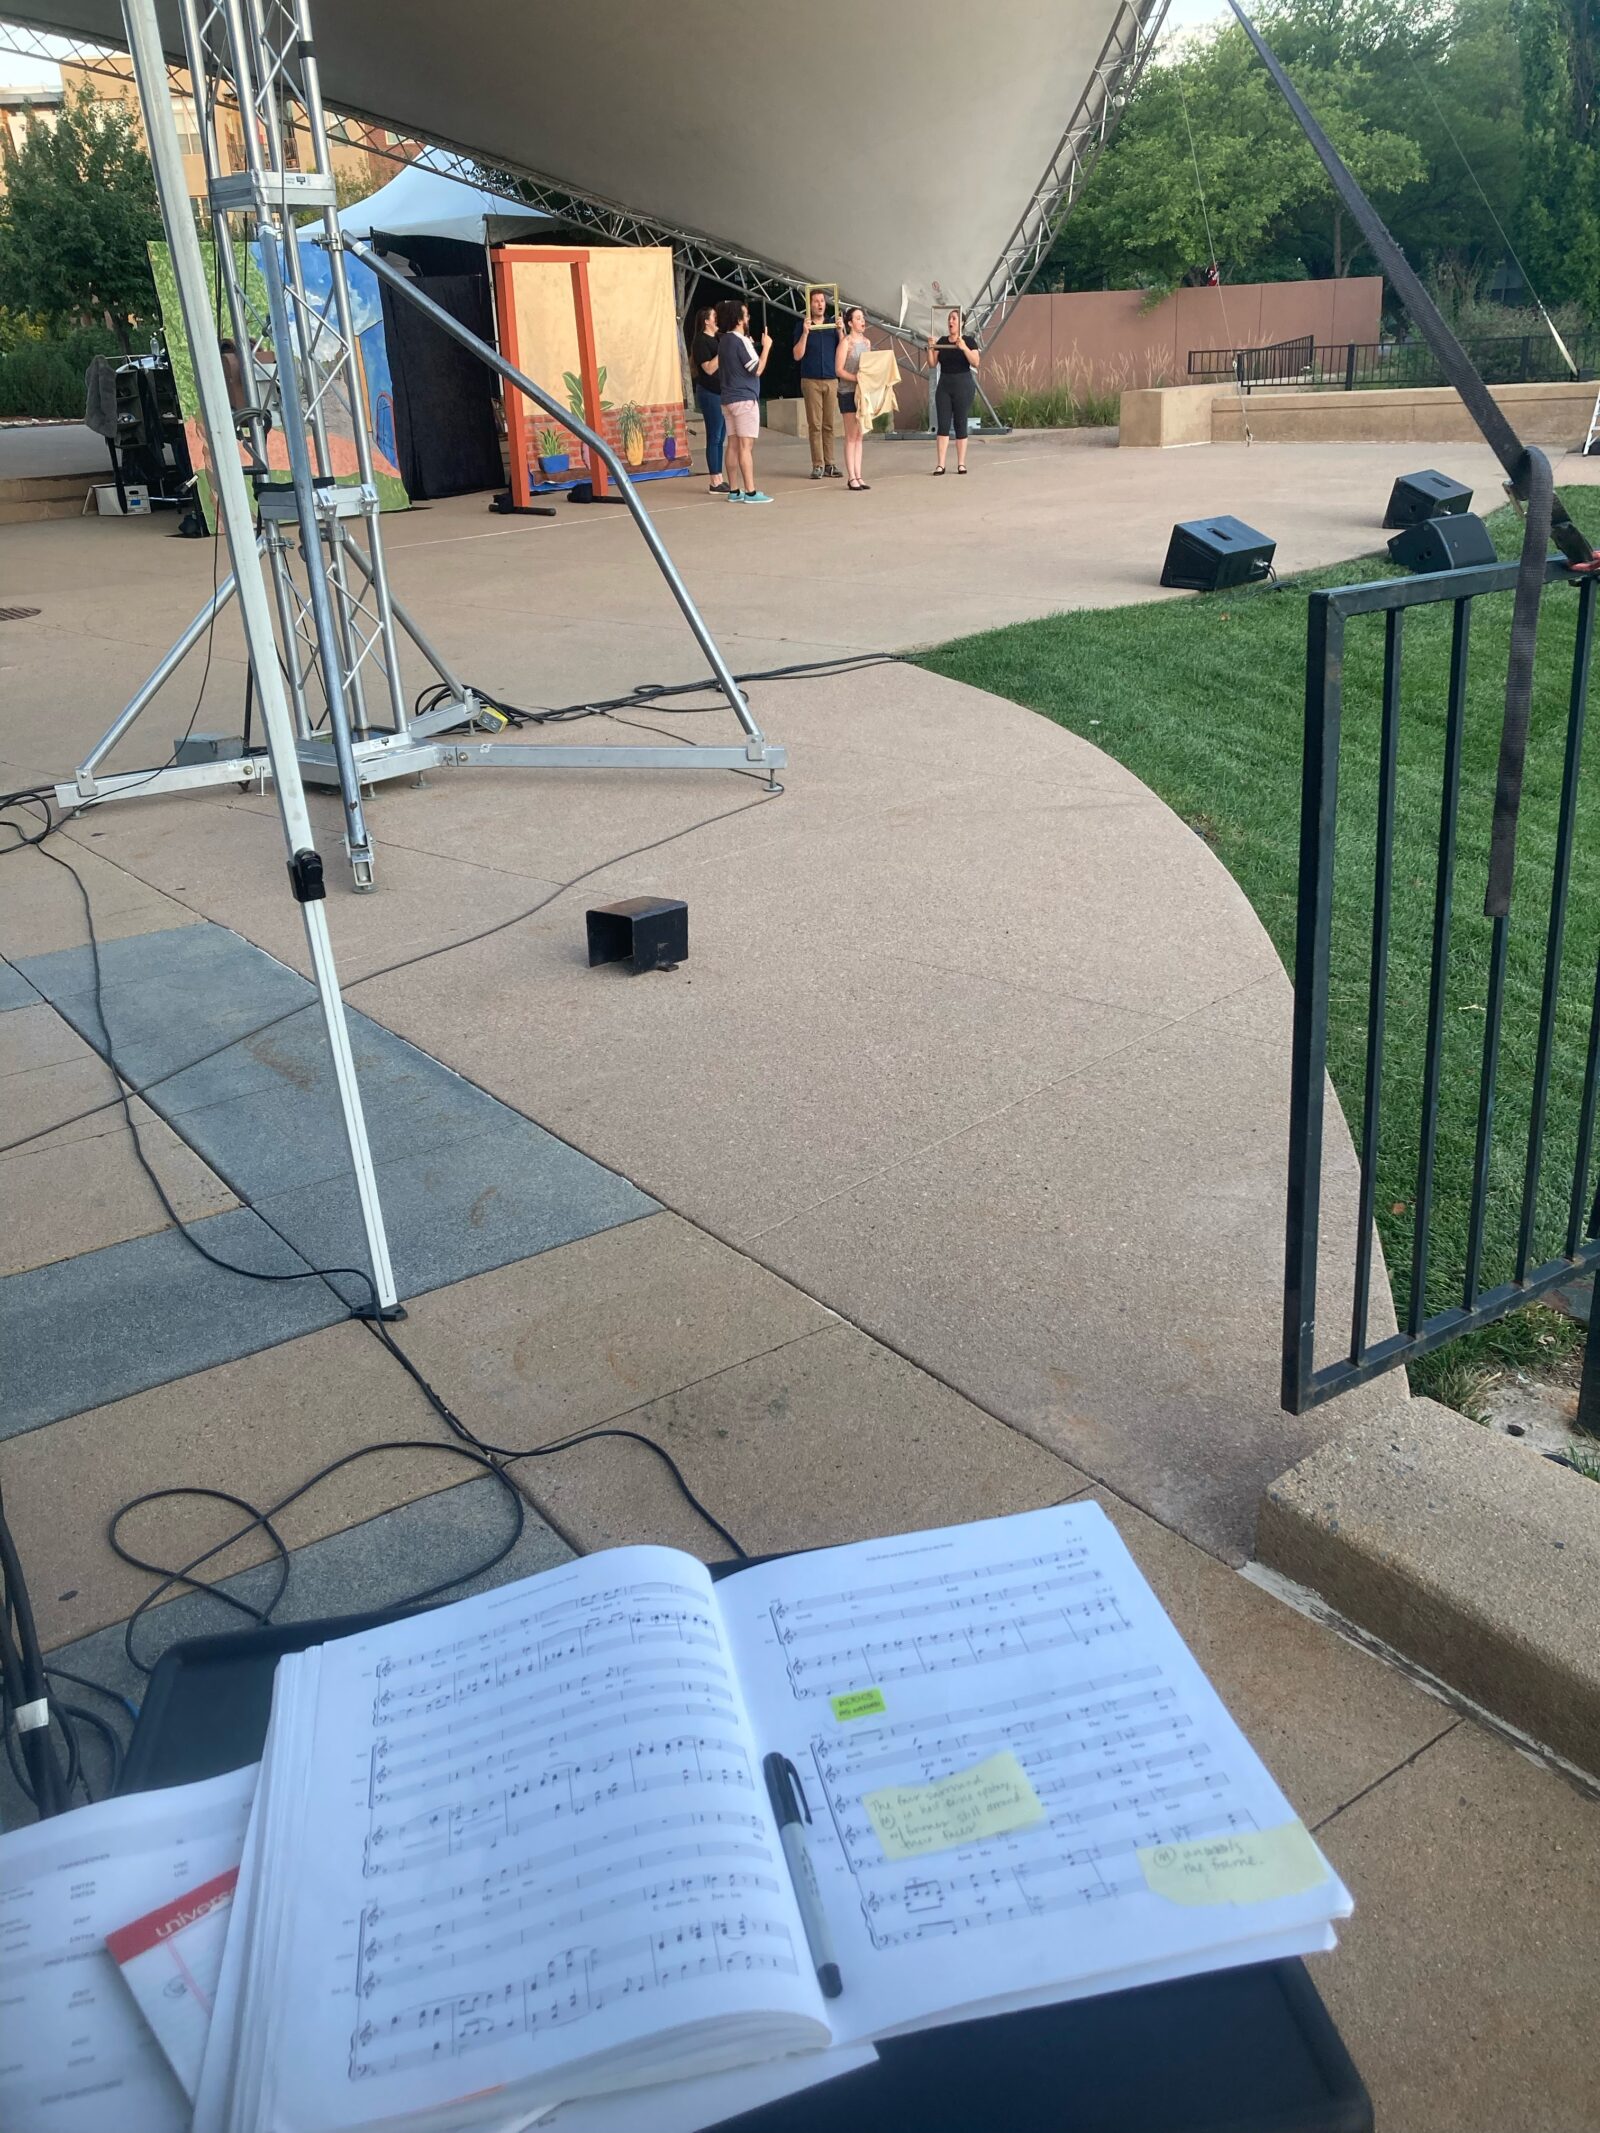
<point x="755" y="496"/>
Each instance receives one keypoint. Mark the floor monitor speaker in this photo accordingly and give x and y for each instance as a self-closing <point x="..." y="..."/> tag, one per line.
<point x="1206" y="554"/>
<point x="1457" y="543"/>
<point x="1429" y="494"/>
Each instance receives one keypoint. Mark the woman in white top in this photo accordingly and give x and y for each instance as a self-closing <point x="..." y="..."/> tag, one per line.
<point x="853" y="345"/>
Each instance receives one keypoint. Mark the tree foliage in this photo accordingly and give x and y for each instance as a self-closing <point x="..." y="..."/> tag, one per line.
<point x="1472" y="125"/>
<point x="1559" y="207"/>
<point x="78" y="211"/>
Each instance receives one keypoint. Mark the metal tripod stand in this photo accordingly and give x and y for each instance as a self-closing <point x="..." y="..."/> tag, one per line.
<point x="259" y="102"/>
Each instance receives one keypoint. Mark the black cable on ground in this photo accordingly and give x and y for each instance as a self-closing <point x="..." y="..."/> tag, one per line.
<point x="465" y="940"/>
<point x="42" y="1780"/>
<point x="23" y="1673"/>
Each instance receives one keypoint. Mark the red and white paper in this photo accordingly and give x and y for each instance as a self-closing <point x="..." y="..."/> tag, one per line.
<point x="170" y="1960"/>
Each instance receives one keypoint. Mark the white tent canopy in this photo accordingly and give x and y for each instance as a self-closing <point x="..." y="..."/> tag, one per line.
<point x="888" y="148"/>
<point x="420" y="202"/>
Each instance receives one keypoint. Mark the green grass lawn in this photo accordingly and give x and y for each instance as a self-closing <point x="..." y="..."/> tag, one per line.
<point x="1203" y="699"/>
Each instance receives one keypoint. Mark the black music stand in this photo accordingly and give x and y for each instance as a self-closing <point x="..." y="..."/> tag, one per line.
<point x="1236" y="2051"/>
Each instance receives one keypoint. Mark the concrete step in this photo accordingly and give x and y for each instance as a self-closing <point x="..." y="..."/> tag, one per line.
<point x="50" y="488"/>
<point x="28" y="514"/>
<point x="1462" y="1550"/>
<point x="25" y="499"/>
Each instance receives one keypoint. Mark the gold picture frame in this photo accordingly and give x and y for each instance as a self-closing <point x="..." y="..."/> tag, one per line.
<point x="831" y="316"/>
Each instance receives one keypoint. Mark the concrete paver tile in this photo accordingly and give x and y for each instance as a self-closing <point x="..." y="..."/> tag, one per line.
<point x="15" y="991"/>
<point x="46" y="1102"/>
<point x="1100" y="1265"/>
<point x="829" y="1439"/>
<point x="43" y="911"/>
<point x="584" y="1333"/>
<point x="1326" y="1718"/>
<point x="1464" y="1984"/>
<point x="525" y="1354"/>
<point x="35" y="1038"/>
<point x="57" y="1201"/>
<point x="255" y="1427"/>
<point x="82" y="1332"/>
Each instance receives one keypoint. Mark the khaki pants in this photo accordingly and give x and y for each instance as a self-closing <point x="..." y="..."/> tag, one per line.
<point x="822" y="405"/>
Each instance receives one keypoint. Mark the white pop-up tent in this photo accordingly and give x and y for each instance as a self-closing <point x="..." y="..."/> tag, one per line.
<point x="904" y="149"/>
<point x="422" y="202"/>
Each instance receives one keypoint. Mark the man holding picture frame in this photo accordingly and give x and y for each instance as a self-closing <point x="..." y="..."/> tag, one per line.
<point x="816" y="351"/>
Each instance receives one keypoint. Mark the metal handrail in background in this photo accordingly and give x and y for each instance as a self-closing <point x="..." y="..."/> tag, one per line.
<point x="1305" y="1385"/>
<point x="1354" y="366"/>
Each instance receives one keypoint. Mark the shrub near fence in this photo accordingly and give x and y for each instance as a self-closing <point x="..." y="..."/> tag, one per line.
<point x="1072" y="397"/>
<point x="45" y="378"/>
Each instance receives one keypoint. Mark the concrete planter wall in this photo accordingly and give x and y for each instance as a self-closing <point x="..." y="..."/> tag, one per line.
<point x="1555" y="414"/>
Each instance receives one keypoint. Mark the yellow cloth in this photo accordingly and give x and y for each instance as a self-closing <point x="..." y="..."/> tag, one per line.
<point x="875" y="385"/>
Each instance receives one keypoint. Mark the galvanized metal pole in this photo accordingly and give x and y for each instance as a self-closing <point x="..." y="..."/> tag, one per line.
<point x="597" y="444"/>
<point x="237" y="520"/>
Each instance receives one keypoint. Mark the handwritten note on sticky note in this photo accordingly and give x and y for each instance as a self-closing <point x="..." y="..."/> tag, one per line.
<point x="989" y="1800"/>
<point x="1250" y="1868"/>
<point x="860" y="1703"/>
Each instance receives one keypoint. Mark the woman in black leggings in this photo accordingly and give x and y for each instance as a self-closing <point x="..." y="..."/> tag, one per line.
<point x="957" y="359"/>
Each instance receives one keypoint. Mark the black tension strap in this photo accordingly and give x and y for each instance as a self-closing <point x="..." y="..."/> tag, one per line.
<point x="1527" y="472"/>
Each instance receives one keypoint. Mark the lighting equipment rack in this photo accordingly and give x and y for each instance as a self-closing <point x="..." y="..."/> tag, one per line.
<point x="317" y="532"/>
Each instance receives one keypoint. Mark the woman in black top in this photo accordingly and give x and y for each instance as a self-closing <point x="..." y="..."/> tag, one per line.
<point x="957" y="361"/>
<point x="707" y="393"/>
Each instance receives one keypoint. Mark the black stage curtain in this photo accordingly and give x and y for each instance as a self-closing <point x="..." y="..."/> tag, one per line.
<point x="444" y="396"/>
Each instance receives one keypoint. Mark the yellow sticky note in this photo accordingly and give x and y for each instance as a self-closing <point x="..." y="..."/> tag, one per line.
<point x="1241" y="1869"/>
<point x="989" y="1800"/>
<point x="860" y="1703"/>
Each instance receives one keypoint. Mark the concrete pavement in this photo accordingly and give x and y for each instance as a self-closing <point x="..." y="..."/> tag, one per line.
<point x="966" y="1115"/>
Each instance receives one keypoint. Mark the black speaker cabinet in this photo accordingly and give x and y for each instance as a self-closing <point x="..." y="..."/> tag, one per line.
<point x="1429" y="494"/>
<point x="1208" y="553"/>
<point x="1444" y="544"/>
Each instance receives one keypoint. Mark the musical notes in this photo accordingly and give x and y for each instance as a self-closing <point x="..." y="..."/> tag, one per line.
<point x="1021" y="1609"/>
<point x="549" y="1814"/>
<point x="576" y="1983"/>
<point x="1033" y="1643"/>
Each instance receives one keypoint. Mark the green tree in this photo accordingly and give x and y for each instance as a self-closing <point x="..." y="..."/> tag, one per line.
<point x="1558" y="213"/>
<point x="78" y="212"/>
<point x="1208" y="158"/>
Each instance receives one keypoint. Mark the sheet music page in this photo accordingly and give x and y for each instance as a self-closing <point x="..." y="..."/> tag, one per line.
<point x="74" y="2049"/>
<point x="1011" y="1696"/>
<point x="538" y="1833"/>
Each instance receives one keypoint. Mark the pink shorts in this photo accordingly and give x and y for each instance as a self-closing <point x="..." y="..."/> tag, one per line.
<point x="743" y="417"/>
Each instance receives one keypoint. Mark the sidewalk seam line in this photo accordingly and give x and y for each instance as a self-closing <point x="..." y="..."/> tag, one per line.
<point x="1405" y="1764"/>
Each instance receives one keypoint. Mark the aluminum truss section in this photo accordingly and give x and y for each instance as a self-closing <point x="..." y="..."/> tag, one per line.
<point x="236" y="518"/>
<point x="1122" y="60"/>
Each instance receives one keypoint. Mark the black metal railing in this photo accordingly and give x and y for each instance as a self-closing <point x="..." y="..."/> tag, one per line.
<point x="1353" y="366"/>
<point x="1462" y="1232"/>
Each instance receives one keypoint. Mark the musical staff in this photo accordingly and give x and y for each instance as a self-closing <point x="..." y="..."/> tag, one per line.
<point x="567" y="1790"/>
<point x="1024" y="1609"/>
<point x="570" y="1986"/>
<point x="560" y="1812"/>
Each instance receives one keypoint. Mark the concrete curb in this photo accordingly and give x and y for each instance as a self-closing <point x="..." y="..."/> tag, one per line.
<point x="1465" y="1553"/>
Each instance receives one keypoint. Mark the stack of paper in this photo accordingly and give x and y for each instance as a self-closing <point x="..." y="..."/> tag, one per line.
<point x="518" y="1857"/>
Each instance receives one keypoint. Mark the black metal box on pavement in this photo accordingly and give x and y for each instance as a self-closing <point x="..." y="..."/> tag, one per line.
<point x="651" y="932"/>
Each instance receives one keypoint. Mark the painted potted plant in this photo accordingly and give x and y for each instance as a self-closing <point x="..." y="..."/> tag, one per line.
<point x="630" y="424"/>
<point x="553" y="460"/>
<point x="669" y="439"/>
<point x="574" y="390"/>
